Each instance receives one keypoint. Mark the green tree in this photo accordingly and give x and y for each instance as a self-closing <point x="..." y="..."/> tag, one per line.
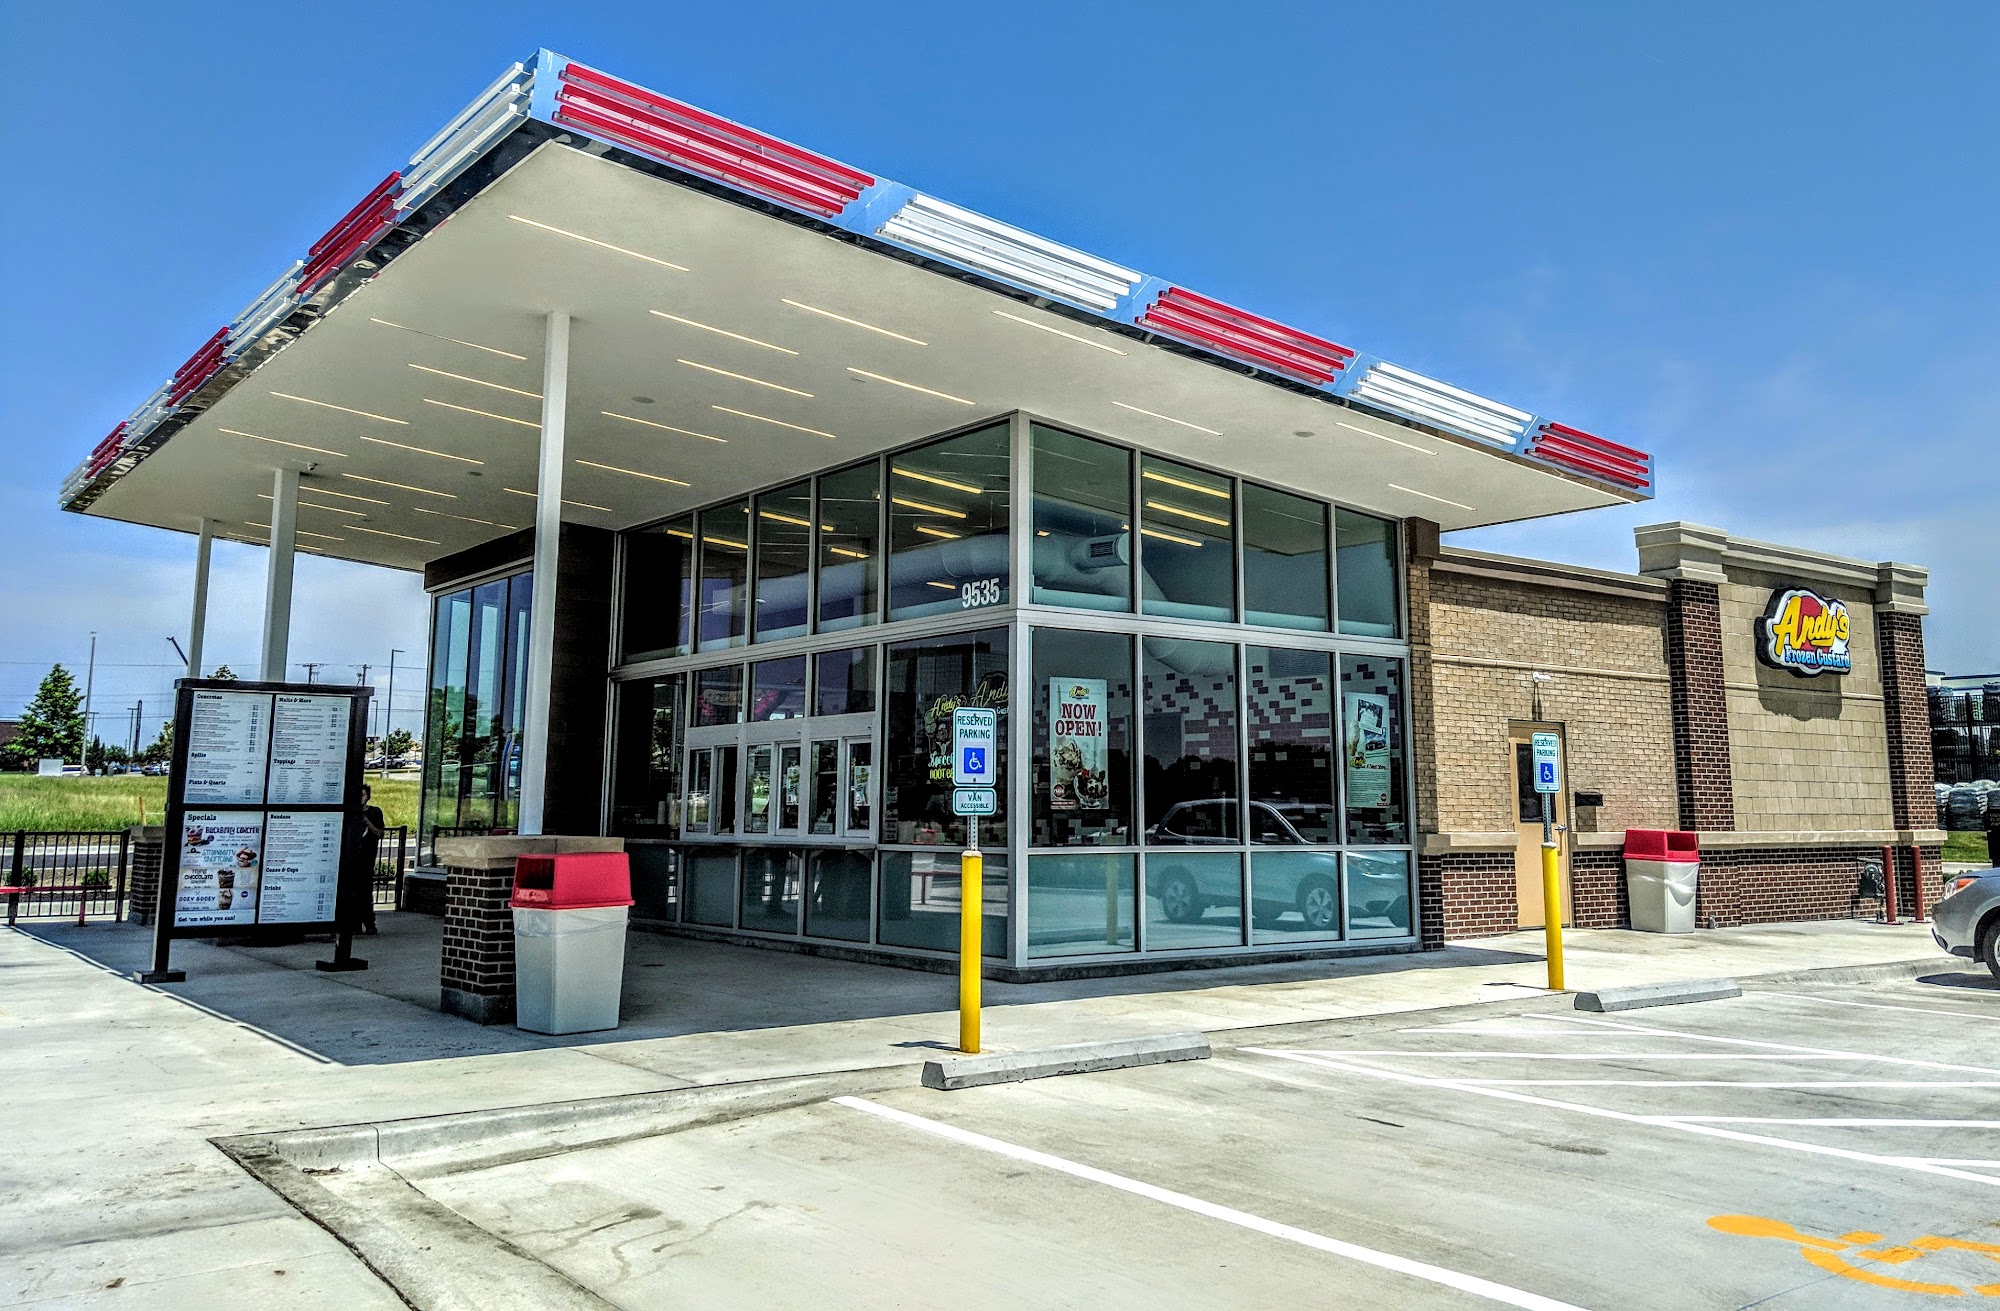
<point x="162" y="748"/>
<point x="398" y="744"/>
<point x="93" y="755"/>
<point x="52" y="724"/>
<point x="225" y="673"/>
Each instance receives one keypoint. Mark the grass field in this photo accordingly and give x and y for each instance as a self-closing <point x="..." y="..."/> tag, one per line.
<point x="1965" y="846"/>
<point x="56" y="804"/>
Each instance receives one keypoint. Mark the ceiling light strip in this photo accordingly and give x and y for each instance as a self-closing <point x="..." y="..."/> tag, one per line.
<point x="422" y="450"/>
<point x="490" y="350"/>
<point x="317" y="490"/>
<point x="488" y="414"/>
<point x="402" y="537"/>
<point x="1169" y="537"/>
<point x="664" y="427"/>
<point x="765" y="418"/>
<point x="1043" y="327"/>
<point x="744" y="377"/>
<point x="1167" y="417"/>
<point x="938" y="532"/>
<point x="936" y="481"/>
<point x="1019" y="256"/>
<point x="1154" y="475"/>
<point x="297" y="446"/>
<point x="852" y="323"/>
<point x="908" y="386"/>
<point x="329" y="405"/>
<point x="634" y="473"/>
<point x="404" y="487"/>
<point x="926" y="507"/>
<point x="1441" y="500"/>
<point x="723" y="332"/>
<point x="581" y="505"/>
<point x="477" y="382"/>
<point x="465" y="518"/>
<point x="601" y="245"/>
<point x="1382" y="437"/>
<point x="315" y="505"/>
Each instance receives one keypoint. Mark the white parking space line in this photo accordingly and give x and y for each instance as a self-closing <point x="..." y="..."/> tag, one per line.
<point x="1464" y="1283"/>
<point x="1839" y="1122"/>
<point x="1613" y="1025"/>
<point x="1615" y="1056"/>
<point x="1657" y="1121"/>
<point x="1884" y="1006"/>
<point x="1716" y="1083"/>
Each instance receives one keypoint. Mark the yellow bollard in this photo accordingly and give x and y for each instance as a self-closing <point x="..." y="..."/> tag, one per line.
<point x="1552" y="912"/>
<point x="971" y="922"/>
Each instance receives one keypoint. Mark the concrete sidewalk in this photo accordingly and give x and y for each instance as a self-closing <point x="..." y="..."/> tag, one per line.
<point x="113" y="1195"/>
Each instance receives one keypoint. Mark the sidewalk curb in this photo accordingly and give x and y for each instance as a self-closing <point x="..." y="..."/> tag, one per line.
<point x="1644" y="995"/>
<point x="954" y="1072"/>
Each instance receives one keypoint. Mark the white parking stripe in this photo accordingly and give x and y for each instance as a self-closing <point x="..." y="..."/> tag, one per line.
<point x="1663" y="1122"/>
<point x="1720" y="1083"/>
<point x="1767" y="1046"/>
<point x="1616" y="1056"/>
<point x="1881" y="1006"/>
<point x="1465" y="1283"/>
<point x="1840" y="1122"/>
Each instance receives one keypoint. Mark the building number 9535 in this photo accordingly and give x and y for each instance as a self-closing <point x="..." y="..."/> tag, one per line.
<point x="986" y="591"/>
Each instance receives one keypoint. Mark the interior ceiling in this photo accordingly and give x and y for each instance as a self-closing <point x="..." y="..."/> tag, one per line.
<point x="487" y="279"/>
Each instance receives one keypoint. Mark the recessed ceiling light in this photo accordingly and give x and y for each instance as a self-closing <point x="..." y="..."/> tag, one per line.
<point x="297" y="446"/>
<point x="852" y="555"/>
<point x="744" y="377"/>
<point x="581" y="505"/>
<point x="407" y="487"/>
<point x="764" y="418"/>
<point x="490" y="350"/>
<point x="488" y="414"/>
<point x="421" y="450"/>
<point x="667" y="427"/>
<point x="1165" y="508"/>
<point x="602" y="245"/>
<point x="401" y="537"/>
<point x="852" y="323"/>
<point x="1428" y="497"/>
<point x="314" y="505"/>
<point x="1303" y="432"/>
<point x="1081" y="341"/>
<point x="1408" y="446"/>
<point x="941" y="586"/>
<point x="908" y="386"/>
<point x="612" y="468"/>
<point x="1167" y="417"/>
<point x="316" y="490"/>
<point x="792" y="519"/>
<point x="926" y="508"/>
<point x="329" y="405"/>
<point x="478" y="382"/>
<point x="466" y="518"/>
<point x="933" y="479"/>
<point x="297" y="532"/>
<point x="1168" y="537"/>
<point x="937" y="532"/>
<point x="723" y="332"/>
<point x="1152" y="475"/>
<point x="642" y="400"/>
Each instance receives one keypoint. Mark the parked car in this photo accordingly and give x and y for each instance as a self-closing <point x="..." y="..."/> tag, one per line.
<point x="155" y="771"/>
<point x="1309" y="886"/>
<point x="71" y="771"/>
<point x="1967" y="921"/>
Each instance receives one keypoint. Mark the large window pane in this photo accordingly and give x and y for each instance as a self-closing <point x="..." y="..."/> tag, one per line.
<point x="1193" y="899"/>
<point x="773" y="878"/>
<point x="711" y="882"/>
<point x="482" y="750"/>
<point x="1378" y="894"/>
<point x="823" y="797"/>
<point x="1080" y="905"/>
<point x="1372" y="746"/>
<point x="920" y="901"/>
<point x="656" y="881"/>
<point x="1083" y="522"/>
<point x="837" y="895"/>
<point x="1190" y="707"/>
<point x="850" y="555"/>
<point x="1294" y="896"/>
<point x="948" y="525"/>
<point x="646" y="769"/>
<point x="444" y="717"/>
<point x="1289" y="700"/>
<point x="520" y="597"/>
<point x="784" y="550"/>
<point x="1284" y="559"/>
<point x="925" y="681"/>
<point x="778" y="689"/>
<point x="1366" y="548"/>
<point x="1082" y="703"/>
<point x="725" y="574"/>
<point x="718" y="696"/>
<point x="844" y="682"/>
<point x="759" y="770"/>
<point x="1187" y="550"/>
<point x="656" y="603"/>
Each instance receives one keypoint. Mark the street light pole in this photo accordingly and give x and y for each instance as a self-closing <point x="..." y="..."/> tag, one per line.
<point x="389" y="709"/>
<point x="89" y="682"/>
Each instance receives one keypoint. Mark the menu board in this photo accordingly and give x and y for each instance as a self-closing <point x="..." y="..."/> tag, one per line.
<point x="220" y="860"/>
<point x="229" y="735"/>
<point x="301" y="866"/>
<point x="309" y="750"/>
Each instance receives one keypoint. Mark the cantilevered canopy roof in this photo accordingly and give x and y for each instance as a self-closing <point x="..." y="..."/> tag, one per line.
<point x="745" y="312"/>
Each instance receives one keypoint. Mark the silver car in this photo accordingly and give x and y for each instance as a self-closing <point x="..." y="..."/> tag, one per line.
<point x="1967" y="921"/>
<point x="1308" y="888"/>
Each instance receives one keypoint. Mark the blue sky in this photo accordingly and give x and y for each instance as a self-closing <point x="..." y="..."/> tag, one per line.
<point x="1757" y="240"/>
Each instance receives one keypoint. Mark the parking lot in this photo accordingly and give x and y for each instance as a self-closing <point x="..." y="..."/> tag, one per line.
<point x="1799" y="1147"/>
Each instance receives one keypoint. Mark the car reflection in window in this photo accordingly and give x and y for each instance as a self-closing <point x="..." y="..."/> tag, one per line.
<point x="1301" y="894"/>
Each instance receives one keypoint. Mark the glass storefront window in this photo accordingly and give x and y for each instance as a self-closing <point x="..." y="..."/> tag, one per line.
<point x="1083" y="522"/>
<point x="711" y="886"/>
<point x="646" y="769"/>
<point x="725" y="574"/>
<point x="860" y="781"/>
<point x="474" y="713"/>
<point x="1080" y="905"/>
<point x="1372" y="748"/>
<point x="1378" y="894"/>
<point x="824" y="796"/>
<point x="722" y="812"/>
<point x="1288" y="701"/>
<point x="1193" y="899"/>
<point x="1082" y="705"/>
<point x="844" y="682"/>
<point x="1365" y="550"/>
<point x="656" y="601"/>
<point x="920" y="901"/>
<point x="520" y="595"/>
<point x="773" y="879"/>
<point x="791" y="787"/>
<point x="784" y="551"/>
<point x="837" y="895"/>
<point x="850" y="542"/>
<point x="656" y="881"/>
<point x="758" y="762"/>
<point x="778" y="689"/>
<point x="1285" y="581"/>
<point x="924" y="681"/>
<point x="1294" y="896"/>
<point x="1190" y="738"/>
<point x="1187" y="552"/>
<point x="700" y="789"/>
<point x="718" y="696"/>
<point x="948" y="525"/>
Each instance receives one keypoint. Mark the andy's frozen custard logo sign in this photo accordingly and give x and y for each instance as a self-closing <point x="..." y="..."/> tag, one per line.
<point x="1805" y="633"/>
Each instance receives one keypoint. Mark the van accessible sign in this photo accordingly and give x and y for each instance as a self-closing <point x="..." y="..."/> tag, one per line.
<point x="1805" y="633"/>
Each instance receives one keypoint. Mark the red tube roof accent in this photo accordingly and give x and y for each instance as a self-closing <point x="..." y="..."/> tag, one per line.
<point x="200" y="367"/>
<point x="1587" y="454"/>
<point x="1246" y="336"/>
<point x="357" y="230"/>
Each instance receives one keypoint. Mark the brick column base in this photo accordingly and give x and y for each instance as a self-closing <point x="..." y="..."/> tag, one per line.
<point x="147" y="852"/>
<point x="476" y="972"/>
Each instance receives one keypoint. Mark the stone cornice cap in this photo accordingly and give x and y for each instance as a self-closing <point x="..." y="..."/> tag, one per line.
<point x="1899" y="588"/>
<point x="1682" y="550"/>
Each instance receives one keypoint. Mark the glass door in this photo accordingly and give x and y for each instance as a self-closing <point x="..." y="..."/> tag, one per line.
<point x="858" y="788"/>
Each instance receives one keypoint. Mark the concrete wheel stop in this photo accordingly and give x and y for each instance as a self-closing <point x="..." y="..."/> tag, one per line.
<point x="1644" y="995"/>
<point x="954" y="1072"/>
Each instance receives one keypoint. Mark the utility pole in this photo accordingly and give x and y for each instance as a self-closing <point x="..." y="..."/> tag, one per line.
<point x="133" y="750"/>
<point x="389" y="710"/>
<point x="89" y="681"/>
<point x="363" y="682"/>
<point x="312" y="668"/>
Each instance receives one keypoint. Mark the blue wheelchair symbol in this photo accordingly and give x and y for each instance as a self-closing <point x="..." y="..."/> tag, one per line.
<point x="1548" y="771"/>
<point x="975" y="760"/>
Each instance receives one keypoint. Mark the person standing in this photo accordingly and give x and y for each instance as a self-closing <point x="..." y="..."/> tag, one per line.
<point x="368" y="845"/>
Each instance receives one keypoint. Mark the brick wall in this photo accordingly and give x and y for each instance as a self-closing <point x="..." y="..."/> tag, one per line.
<point x="476" y="972"/>
<point x="1597" y="889"/>
<point x="1467" y="894"/>
<point x="142" y="889"/>
<point x="1700" y="707"/>
<point x="1899" y="640"/>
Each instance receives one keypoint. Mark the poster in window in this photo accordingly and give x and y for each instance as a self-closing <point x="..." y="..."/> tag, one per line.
<point x="1078" y="774"/>
<point x="1368" y="754"/>
<point x="221" y="858"/>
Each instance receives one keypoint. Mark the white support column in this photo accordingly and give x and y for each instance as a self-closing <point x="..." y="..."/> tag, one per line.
<point x="198" y="623"/>
<point x="542" y="603"/>
<point x="278" y="575"/>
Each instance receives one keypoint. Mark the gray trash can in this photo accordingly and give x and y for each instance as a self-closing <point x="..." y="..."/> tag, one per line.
<point x="1662" y="877"/>
<point x="569" y="968"/>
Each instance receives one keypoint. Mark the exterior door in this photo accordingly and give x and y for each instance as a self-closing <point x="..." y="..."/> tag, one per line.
<point x="1528" y="827"/>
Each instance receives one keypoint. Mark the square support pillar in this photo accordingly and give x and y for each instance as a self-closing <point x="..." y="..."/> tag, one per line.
<point x="476" y="970"/>
<point x="278" y="576"/>
<point x="548" y="554"/>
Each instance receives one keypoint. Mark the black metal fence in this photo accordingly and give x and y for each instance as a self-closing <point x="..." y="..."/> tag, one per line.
<point x="392" y="858"/>
<point x="66" y="875"/>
